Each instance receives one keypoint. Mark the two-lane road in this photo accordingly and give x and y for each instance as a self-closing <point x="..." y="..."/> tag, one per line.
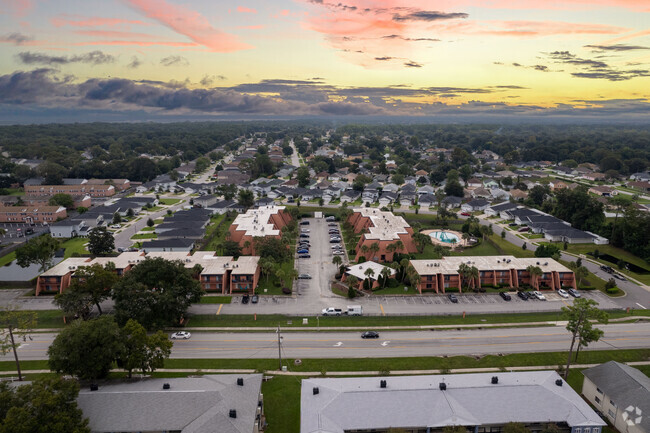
<point x="391" y="344"/>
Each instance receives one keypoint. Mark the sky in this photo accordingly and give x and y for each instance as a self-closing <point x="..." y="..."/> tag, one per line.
<point x="184" y="59"/>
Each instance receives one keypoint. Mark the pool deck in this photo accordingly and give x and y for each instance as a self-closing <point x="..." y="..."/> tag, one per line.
<point x="461" y="242"/>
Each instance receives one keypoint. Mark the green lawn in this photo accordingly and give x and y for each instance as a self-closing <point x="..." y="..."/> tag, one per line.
<point x="282" y="404"/>
<point x="483" y="249"/>
<point x="215" y="233"/>
<point x="15" y="191"/>
<point x="215" y="299"/>
<point x="153" y="208"/>
<point x="271" y="320"/>
<point x="147" y="229"/>
<point x="506" y="248"/>
<point x="75" y="245"/>
<point x="399" y="290"/>
<point x="8" y="258"/>
<point x="144" y="236"/>
<point x="269" y="284"/>
<point x="169" y="201"/>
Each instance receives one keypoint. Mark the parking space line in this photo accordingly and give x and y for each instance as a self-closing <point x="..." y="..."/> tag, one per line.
<point x="383" y="313"/>
<point x="219" y="310"/>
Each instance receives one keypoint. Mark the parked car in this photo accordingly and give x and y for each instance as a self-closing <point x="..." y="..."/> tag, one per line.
<point x="335" y="241"/>
<point x="505" y="295"/>
<point x="115" y="226"/>
<point x="562" y="293"/>
<point x="524" y="229"/>
<point x="304" y="277"/>
<point x="539" y="295"/>
<point x="181" y="335"/>
<point x="304" y="223"/>
<point x="330" y="219"/>
<point x="620" y="277"/>
<point x="245" y="299"/>
<point x="304" y="256"/>
<point x="512" y="225"/>
<point x="254" y="299"/>
<point x="304" y="230"/>
<point x="331" y="225"/>
<point x="370" y="334"/>
<point x="303" y="251"/>
<point x="339" y="253"/>
<point x="466" y="214"/>
<point x="523" y="295"/>
<point x="453" y="298"/>
<point x="331" y="311"/>
<point x="574" y="293"/>
<point x="304" y="235"/>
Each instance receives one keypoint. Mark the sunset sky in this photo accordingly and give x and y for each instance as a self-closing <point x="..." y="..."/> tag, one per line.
<point x="200" y="58"/>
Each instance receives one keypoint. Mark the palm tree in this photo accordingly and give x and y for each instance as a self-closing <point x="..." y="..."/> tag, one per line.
<point x="247" y="245"/>
<point x="474" y="276"/>
<point x="385" y="273"/>
<point x="464" y="273"/>
<point x="374" y="249"/>
<point x="266" y="267"/>
<point x="535" y="272"/>
<point x="364" y="250"/>
<point x="399" y="245"/>
<point x="369" y="273"/>
<point x="404" y="264"/>
<point x="390" y="248"/>
<point x="337" y="260"/>
<point x="466" y="238"/>
<point x="353" y="281"/>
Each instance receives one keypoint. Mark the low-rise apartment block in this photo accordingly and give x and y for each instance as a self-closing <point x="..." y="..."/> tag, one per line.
<point x="264" y="221"/>
<point x="508" y="271"/>
<point x="219" y="274"/>
<point x="95" y="191"/>
<point x="32" y="214"/>
<point x="384" y="234"/>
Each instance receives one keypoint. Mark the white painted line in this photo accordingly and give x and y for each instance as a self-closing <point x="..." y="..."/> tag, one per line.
<point x="641" y="306"/>
<point x="385" y="343"/>
<point x="339" y="344"/>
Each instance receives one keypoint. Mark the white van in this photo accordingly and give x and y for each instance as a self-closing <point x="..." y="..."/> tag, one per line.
<point x="354" y="310"/>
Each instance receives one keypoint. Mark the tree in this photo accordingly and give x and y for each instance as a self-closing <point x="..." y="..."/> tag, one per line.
<point x="117" y="218"/>
<point x="38" y="251"/>
<point x="91" y="286"/>
<point x="579" y="316"/>
<point x="369" y="273"/>
<point x="397" y="179"/>
<point x="141" y="351"/>
<point x="385" y="273"/>
<point x="353" y="281"/>
<point x="267" y="266"/>
<point x="515" y="427"/>
<point x="156" y="293"/>
<point x="230" y="248"/>
<point x="100" y="241"/>
<point x="64" y="200"/>
<point x="150" y="222"/>
<point x="374" y="249"/>
<point x="524" y="246"/>
<point x="46" y="405"/>
<point x="580" y="272"/>
<point x="454" y="188"/>
<point x="337" y="260"/>
<point x="246" y="198"/>
<point x="546" y="250"/>
<point x="86" y="349"/>
<point x="534" y="272"/>
<point x="82" y="210"/>
<point x="15" y="325"/>
<point x="302" y="175"/>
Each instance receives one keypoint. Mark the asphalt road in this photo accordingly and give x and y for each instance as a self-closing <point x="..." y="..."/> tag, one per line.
<point x="213" y="345"/>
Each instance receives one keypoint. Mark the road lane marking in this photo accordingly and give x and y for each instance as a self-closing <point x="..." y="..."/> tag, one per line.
<point x="641" y="306"/>
<point x="383" y="313"/>
<point x="385" y="343"/>
<point x="339" y="344"/>
<point x="219" y="310"/>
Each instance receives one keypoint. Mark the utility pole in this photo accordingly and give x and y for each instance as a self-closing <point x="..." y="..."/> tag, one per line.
<point x="279" y="349"/>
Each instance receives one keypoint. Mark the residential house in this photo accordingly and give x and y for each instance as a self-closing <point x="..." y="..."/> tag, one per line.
<point x="494" y="210"/>
<point x="603" y="191"/>
<point x="349" y="196"/>
<point x="477" y="205"/>
<point x="427" y="201"/>
<point x="387" y="198"/>
<point x="452" y="202"/>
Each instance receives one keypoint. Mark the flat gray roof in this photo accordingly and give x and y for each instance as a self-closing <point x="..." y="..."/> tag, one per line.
<point x="417" y="401"/>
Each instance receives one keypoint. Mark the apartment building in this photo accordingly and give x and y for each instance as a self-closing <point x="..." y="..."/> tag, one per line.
<point x="220" y="274"/>
<point x="438" y="275"/>
<point x="95" y="191"/>
<point x="32" y="214"/>
<point x="264" y="221"/>
<point x="383" y="234"/>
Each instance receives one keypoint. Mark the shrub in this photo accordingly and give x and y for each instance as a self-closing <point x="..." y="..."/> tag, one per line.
<point x="588" y="288"/>
<point x="612" y="290"/>
<point x="451" y="290"/>
<point x="362" y="259"/>
<point x="351" y="293"/>
<point x="286" y="290"/>
<point x="392" y="283"/>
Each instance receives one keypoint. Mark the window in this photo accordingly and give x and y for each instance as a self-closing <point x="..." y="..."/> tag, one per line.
<point x="599" y="391"/>
<point x="611" y="413"/>
<point x="612" y="403"/>
<point x="597" y="400"/>
<point x="576" y="430"/>
<point x="595" y="430"/>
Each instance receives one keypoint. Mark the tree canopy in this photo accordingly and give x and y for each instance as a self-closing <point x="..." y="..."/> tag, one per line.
<point x="38" y="251"/>
<point x="100" y="241"/>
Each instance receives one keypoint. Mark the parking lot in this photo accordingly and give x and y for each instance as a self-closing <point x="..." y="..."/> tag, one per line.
<point x="16" y="231"/>
<point x="318" y="266"/>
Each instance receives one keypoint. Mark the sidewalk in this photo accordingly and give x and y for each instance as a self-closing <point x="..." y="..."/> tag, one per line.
<point x="350" y="373"/>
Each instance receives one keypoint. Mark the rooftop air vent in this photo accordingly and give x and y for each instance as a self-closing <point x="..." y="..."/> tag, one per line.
<point x="166" y="386"/>
<point x="94" y="387"/>
<point x="442" y="386"/>
<point x="558" y="382"/>
<point x="382" y="384"/>
<point x="232" y="413"/>
<point x="240" y="381"/>
<point x="495" y="380"/>
<point x="315" y="390"/>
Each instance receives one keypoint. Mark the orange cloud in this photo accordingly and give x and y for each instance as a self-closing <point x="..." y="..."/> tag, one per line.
<point x="139" y="43"/>
<point x="245" y="10"/>
<point x="113" y="34"/>
<point x="189" y="23"/>
<point x="61" y="21"/>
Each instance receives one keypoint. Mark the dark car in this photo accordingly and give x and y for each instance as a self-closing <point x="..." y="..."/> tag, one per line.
<point x="245" y="299"/>
<point x="522" y="295"/>
<point x="620" y="277"/>
<point x="304" y="235"/>
<point x="453" y="298"/>
<point x="574" y="293"/>
<point x="330" y="219"/>
<point x="505" y="295"/>
<point x="304" y="223"/>
<point x="335" y="241"/>
<point x="304" y="256"/>
<point x="255" y="299"/>
<point x="607" y="269"/>
<point x="370" y="334"/>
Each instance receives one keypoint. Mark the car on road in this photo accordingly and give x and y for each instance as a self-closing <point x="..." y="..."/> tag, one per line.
<point x="523" y="295"/>
<point x="562" y="293"/>
<point x="255" y="299"/>
<point x="120" y="250"/>
<point x="304" y="256"/>
<point x="115" y="226"/>
<point x="304" y="277"/>
<point x="620" y="277"/>
<point x="505" y="295"/>
<point x="303" y="251"/>
<point x="607" y="269"/>
<point x="245" y="299"/>
<point x="181" y="335"/>
<point x="574" y="293"/>
<point x="453" y="298"/>
<point x="304" y="223"/>
<point x="331" y="311"/>
<point x="466" y="214"/>
<point x="539" y="295"/>
<point x="370" y="334"/>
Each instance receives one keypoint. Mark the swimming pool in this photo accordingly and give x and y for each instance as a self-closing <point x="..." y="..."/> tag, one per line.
<point x="446" y="237"/>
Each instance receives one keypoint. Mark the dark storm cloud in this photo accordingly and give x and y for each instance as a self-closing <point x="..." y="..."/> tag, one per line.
<point x="616" y="47"/>
<point x="412" y="64"/>
<point x="429" y="16"/>
<point x="91" y="58"/>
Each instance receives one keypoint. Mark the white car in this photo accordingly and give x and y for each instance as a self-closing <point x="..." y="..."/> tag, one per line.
<point x="539" y="295"/>
<point x="563" y="293"/>
<point x="116" y="226"/>
<point x="181" y="335"/>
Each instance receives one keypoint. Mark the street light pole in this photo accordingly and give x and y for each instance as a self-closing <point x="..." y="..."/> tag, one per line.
<point x="279" y="349"/>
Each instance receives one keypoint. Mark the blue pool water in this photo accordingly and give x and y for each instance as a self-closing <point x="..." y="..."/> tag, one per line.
<point x="445" y="237"/>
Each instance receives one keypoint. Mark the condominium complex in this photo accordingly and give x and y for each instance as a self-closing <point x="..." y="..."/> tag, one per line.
<point x="383" y="234"/>
<point x="264" y="221"/>
<point x="220" y="274"/>
<point x="32" y="214"/>
<point x="508" y="271"/>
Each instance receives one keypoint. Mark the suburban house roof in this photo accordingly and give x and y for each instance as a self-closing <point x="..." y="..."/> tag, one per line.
<point x="349" y="404"/>
<point x="190" y="405"/>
